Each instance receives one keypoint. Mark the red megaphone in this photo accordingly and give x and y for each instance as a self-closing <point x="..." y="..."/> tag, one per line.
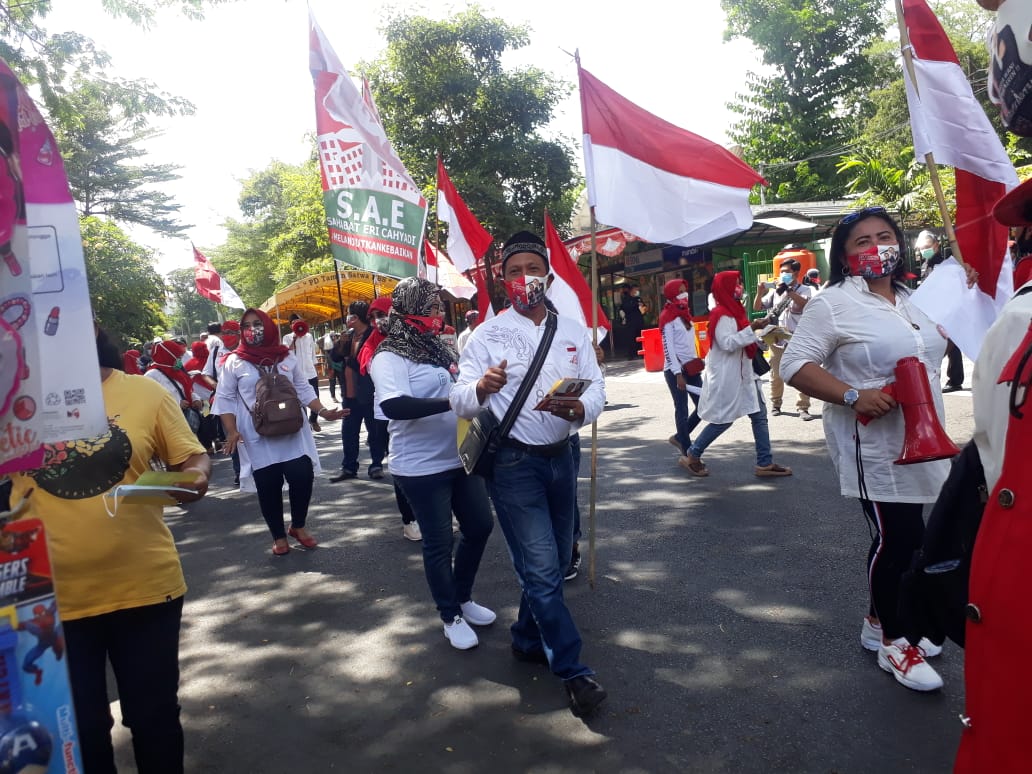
<point x="924" y="440"/>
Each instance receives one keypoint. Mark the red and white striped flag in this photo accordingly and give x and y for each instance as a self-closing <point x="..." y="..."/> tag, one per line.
<point x="949" y="122"/>
<point x="467" y="239"/>
<point x="212" y="286"/>
<point x="655" y="179"/>
<point x="569" y="291"/>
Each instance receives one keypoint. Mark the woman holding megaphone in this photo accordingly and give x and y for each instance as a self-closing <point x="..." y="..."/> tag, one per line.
<point x="845" y="351"/>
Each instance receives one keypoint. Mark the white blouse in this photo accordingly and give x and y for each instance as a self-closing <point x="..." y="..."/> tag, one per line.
<point x="236" y="395"/>
<point x="858" y="336"/>
<point x="729" y="383"/>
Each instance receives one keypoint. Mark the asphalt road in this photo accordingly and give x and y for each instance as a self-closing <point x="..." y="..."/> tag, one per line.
<point x="724" y="622"/>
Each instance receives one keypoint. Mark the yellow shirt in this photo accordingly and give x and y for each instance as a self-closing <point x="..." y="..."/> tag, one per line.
<point x="102" y="564"/>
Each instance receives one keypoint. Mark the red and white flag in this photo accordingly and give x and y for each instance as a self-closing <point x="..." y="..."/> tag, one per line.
<point x="448" y="277"/>
<point x="467" y="239"/>
<point x="949" y="122"/>
<point x="212" y="286"/>
<point x="655" y="179"/>
<point x="428" y="263"/>
<point x="569" y="291"/>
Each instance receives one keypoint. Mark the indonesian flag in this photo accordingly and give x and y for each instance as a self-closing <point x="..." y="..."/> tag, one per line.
<point x="655" y="179"/>
<point x="428" y="263"/>
<point x="448" y="277"/>
<point x="948" y="122"/>
<point x="211" y="285"/>
<point x="478" y="275"/>
<point x="467" y="239"/>
<point x="569" y="292"/>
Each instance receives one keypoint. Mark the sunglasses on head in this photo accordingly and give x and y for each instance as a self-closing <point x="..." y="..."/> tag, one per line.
<point x="853" y="217"/>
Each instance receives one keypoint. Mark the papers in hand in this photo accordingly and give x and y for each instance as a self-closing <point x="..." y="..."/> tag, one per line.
<point x="153" y="487"/>
<point x="563" y="394"/>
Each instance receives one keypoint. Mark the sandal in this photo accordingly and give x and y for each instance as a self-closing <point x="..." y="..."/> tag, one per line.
<point x="307" y="542"/>
<point x="772" y="471"/>
<point x="693" y="465"/>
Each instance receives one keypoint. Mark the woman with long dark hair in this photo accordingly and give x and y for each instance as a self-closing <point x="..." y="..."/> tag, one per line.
<point x="267" y="461"/>
<point x="414" y="370"/>
<point x="844" y="350"/>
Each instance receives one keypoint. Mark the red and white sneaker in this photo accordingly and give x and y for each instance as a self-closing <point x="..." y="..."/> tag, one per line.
<point x="905" y="662"/>
<point x="871" y="639"/>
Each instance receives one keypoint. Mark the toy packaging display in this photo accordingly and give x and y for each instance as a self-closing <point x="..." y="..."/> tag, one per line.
<point x="37" y="722"/>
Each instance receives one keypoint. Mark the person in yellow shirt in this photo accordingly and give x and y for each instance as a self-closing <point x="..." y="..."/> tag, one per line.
<point x="118" y="580"/>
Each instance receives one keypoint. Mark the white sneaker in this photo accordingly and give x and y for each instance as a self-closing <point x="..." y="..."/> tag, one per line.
<point x="478" y="615"/>
<point x="460" y="635"/>
<point x="411" y="531"/>
<point x="871" y="639"/>
<point x="905" y="662"/>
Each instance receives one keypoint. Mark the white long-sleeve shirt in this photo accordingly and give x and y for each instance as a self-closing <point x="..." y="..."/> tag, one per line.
<point x="236" y="394"/>
<point x="729" y="382"/>
<point x="512" y="337"/>
<point x="304" y="350"/>
<point x="678" y="345"/>
<point x="858" y="336"/>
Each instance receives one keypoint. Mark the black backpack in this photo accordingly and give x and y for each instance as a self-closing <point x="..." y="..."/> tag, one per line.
<point x="277" y="409"/>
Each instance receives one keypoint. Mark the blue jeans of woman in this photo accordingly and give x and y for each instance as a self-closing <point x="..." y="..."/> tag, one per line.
<point x="683" y="422"/>
<point x="269" y="480"/>
<point x="533" y="497"/>
<point x="433" y="499"/>
<point x="761" y="436"/>
<point x="142" y="644"/>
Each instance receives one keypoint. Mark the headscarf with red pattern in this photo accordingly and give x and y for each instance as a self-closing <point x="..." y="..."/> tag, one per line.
<point x="270" y="351"/>
<point x="724" y="285"/>
<point x="167" y="357"/>
<point x="675" y="307"/>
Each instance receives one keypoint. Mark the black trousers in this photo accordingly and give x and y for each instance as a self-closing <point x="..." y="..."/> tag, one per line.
<point x="898" y="532"/>
<point x="313" y="415"/>
<point x="299" y="475"/>
<point x="954" y="365"/>
<point x="142" y="644"/>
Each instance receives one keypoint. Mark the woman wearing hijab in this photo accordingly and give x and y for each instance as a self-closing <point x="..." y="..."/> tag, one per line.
<point x="131" y="362"/>
<point x="732" y="387"/>
<point x="198" y="357"/>
<point x="267" y="461"/>
<point x="166" y="369"/>
<point x="683" y="368"/>
<point x="413" y="370"/>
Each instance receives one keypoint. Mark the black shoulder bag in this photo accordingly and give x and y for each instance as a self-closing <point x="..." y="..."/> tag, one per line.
<point x="480" y="446"/>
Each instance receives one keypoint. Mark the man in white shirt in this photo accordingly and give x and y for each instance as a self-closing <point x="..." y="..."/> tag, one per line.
<point x="533" y="488"/>
<point x="472" y="318"/>
<point x="787" y="298"/>
<point x="301" y="342"/>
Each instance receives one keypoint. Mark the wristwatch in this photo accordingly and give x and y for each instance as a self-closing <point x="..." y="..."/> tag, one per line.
<point x="850" y="396"/>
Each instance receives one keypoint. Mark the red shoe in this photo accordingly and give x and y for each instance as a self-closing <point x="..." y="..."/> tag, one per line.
<point x="278" y="550"/>
<point x="307" y="542"/>
<point x="39" y="677"/>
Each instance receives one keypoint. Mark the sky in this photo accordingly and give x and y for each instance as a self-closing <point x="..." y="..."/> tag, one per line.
<point x="245" y="68"/>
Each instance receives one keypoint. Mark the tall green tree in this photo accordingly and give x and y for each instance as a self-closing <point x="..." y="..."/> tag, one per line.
<point x="190" y="312"/>
<point x="282" y="235"/>
<point x="126" y="292"/>
<point x="441" y="87"/>
<point x="100" y="126"/>
<point x="809" y="102"/>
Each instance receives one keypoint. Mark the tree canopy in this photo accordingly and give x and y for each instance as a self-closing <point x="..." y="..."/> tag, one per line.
<point x="441" y="87"/>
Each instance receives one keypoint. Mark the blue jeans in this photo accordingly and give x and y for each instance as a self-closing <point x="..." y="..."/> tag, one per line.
<point x="433" y="498"/>
<point x="683" y="422"/>
<point x="575" y="451"/>
<point x="712" y="431"/>
<point x="376" y="435"/>
<point x="533" y="497"/>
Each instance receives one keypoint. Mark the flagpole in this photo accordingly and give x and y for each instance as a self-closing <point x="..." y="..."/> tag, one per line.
<point x="340" y="295"/>
<point x="933" y="170"/>
<point x="594" y="424"/>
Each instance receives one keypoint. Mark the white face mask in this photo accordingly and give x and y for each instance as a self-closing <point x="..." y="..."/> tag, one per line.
<point x="684" y="297"/>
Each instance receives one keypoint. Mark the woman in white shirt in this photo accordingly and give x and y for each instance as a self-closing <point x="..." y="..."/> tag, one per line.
<point x="683" y="366"/>
<point x="267" y="461"/>
<point x="413" y="370"/>
<point x="844" y="350"/>
<point x="732" y="389"/>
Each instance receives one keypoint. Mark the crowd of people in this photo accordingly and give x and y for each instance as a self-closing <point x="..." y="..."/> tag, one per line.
<point x="409" y="387"/>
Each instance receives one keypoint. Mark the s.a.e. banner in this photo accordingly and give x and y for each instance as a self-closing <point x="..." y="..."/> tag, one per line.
<point x="49" y="378"/>
<point x="375" y="213"/>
